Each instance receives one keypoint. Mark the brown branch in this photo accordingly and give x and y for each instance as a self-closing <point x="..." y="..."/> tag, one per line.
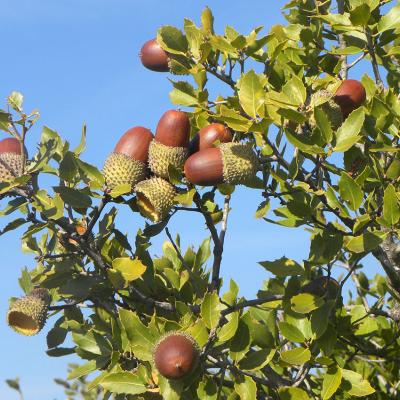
<point x="342" y="44"/>
<point x="219" y="249"/>
<point x="371" y="51"/>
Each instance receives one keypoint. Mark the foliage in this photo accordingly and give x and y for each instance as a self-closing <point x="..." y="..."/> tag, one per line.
<point x="116" y="301"/>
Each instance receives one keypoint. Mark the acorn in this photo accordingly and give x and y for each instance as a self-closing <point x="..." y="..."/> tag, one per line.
<point x="154" y="57"/>
<point x="27" y="315"/>
<point x="210" y="136"/>
<point x="324" y="99"/>
<point x="176" y="355"/>
<point x="322" y="286"/>
<point x="350" y="95"/>
<point x="127" y="163"/>
<point x="232" y="163"/>
<point x="155" y="198"/>
<point x="170" y="143"/>
<point x="11" y="159"/>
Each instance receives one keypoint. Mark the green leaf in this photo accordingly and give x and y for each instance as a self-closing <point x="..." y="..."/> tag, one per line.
<point x="297" y="356"/>
<point x="127" y="269"/>
<point x="15" y="100"/>
<point x="246" y="388"/>
<point x="320" y="320"/>
<point x="251" y="93"/>
<point x="123" y="383"/>
<point x="92" y="342"/>
<point x="360" y="15"/>
<point x="283" y="267"/>
<point x="331" y="382"/>
<point x="292" y="393"/>
<point x="211" y="310"/>
<point x="262" y="209"/>
<point x="207" y="389"/>
<point x="391" y="209"/>
<point x="85" y="369"/>
<point x="291" y="332"/>
<point x="207" y="20"/>
<point x="323" y="124"/>
<point x="304" y="303"/>
<point x="73" y="197"/>
<point x="25" y="282"/>
<point x="240" y="343"/>
<point x="348" y="133"/>
<point x="350" y="191"/>
<point x="120" y="190"/>
<point x="142" y="338"/>
<point x="68" y="168"/>
<point x="183" y="94"/>
<point x="228" y="331"/>
<point x="295" y="90"/>
<point x="82" y="144"/>
<point x="256" y="360"/>
<point x="233" y="119"/>
<point x="172" y="40"/>
<point x="366" y="242"/>
<point x="390" y="21"/>
<point x="356" y="385"/>
<point x="195" y="38"/>
<point x="14" y="384"/>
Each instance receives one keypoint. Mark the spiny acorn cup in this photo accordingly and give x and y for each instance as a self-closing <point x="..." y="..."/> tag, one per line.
<point x="210" y="136"/>
<point x="232" y="163"/>
<point x="27" y="315"/>
<point x="155" y="198"/>
<point x="176" y="355"/>
<point x="324" y="99"/>
<point x="350" y="95"/>
<point x="154" y="57"/>
<point x="170" y="144"/>
<point x="11" y="159"/>
<point x="128" y="163"/>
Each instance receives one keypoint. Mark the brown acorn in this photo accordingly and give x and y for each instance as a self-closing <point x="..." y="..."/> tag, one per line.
<point x="232" y="163"/>
<point x="176" y="355"/>
<point x="127" y="164"/>
<point x="209" y="136"/>
<point x="350" y="95"/>
<point x="154" y="57"/>
<point x="11" y="159"/>
<point x="169" y="147"/>
<point x="321" y="286"/>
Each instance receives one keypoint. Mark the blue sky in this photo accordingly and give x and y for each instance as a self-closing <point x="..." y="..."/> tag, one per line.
<point x="77" y="61"/>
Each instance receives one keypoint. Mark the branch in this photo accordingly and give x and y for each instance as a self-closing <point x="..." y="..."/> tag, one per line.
<point x="342" y="43"/>
<point x="218" y="249"/>
<point x="251" y="303"/>
<point x="97" y="212"/>
<point x="375" y="67"/>
<point x="220" y="75"/>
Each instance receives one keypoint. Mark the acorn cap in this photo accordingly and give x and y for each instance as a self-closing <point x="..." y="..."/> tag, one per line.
<point x="324" y="99"/>
<point x="161" y="157"/>
<point x="173" y="129"/>
<point x="121" y="169"/>
<point x="176" y="355"/>
<point x="154" y="57"/>
<point x="350" y="95"/>
<point x="240" y="163"/>
<point x="135" y="143"/>
<point x="27" y="315"/>
<point x="210" y="136"/>
<point x="155" y="198"/>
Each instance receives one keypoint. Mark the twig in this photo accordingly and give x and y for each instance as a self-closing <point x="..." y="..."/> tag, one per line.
<point x="342" y="43"/>
<point x="184" y="264"/>
<point x="218" y="249"/>
<point x="375" y="67"/>
<point x="97" y="212"/>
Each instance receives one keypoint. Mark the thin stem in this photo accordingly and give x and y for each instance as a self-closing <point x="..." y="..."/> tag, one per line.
<point x="375" y="67"/>
<point x="218" y="249"/>
<point x="342" y="44"/>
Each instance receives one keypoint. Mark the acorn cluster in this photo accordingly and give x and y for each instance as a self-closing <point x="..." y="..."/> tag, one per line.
<point x="336" y="105"/>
